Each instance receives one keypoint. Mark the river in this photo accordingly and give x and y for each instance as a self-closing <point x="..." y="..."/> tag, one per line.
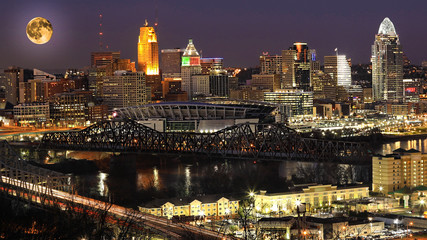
<point x="133" y="179"/>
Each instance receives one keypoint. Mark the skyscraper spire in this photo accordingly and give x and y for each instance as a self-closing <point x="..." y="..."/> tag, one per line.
<point x="190" y="50"/>
<point x="387" y="27"/>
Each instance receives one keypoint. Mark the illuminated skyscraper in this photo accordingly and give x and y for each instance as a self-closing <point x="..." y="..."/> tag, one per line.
<point x="148" y="60"/>
<point x="148" y="51"/>
<point x="387" y="64"/>
<point x="339" y="69"/>
<point x="296" y="67"/>
<point x="190" y="65"/>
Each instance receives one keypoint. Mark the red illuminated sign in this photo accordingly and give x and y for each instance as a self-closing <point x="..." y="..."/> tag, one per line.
<point x="411" y="89"/>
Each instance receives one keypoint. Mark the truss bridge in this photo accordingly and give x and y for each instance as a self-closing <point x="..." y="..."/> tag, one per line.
<point x="242" y="141"/>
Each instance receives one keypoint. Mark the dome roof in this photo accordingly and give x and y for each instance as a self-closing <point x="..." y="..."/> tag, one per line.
<point x="387" y="28"/>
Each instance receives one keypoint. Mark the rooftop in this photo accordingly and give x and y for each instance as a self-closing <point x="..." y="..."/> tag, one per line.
<point x="387" y="28"/>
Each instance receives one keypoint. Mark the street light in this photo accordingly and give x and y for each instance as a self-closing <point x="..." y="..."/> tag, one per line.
<point x="370" y="223"/>
<point x="407" y="226"/>
<point x="251" y="194"/>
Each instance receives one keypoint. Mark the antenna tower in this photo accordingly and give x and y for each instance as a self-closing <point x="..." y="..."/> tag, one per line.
<point x="156" y="15"/>
<point x="100" y="33"/>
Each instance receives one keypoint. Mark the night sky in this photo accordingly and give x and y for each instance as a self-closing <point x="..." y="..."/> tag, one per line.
<point x="238" y="31"/>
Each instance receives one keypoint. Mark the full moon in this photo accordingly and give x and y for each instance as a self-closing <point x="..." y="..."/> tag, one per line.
<point x="39" y="30"/>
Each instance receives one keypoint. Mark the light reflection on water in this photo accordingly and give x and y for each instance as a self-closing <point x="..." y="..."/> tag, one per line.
<point x="187" y="180"/>
<point x="102" y="185"/>
<point x="419" y="144"/>
<point x="151" y="174"/>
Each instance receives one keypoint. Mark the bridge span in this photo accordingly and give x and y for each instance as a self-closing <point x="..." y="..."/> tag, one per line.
<point x="242" y="141"/>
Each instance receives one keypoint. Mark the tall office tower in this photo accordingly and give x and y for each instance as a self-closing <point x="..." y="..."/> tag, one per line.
<point x="98" y="59"/>
<point x="209" y="64"/>
<point x="270" y="64"/>
<point x="13" y="77"/>
<point x="339" y="69"/>
<point x="387" y="64"/>
<point x="148" y="60"/>
<point x="171" y="63"/>
<point x="125" y="89"/>
<point x="296" y="67"/>
<point x="190" y="66"/>
<point x="148" y="51"/>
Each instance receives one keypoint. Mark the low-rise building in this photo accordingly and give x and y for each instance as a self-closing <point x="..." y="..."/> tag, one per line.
<point x="210" y="206"/>
<point x="313" y="196"/>
<point x="35" y="114"/>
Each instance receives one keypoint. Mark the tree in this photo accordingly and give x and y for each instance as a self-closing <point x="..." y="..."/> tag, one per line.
<point x="246" y="207"/>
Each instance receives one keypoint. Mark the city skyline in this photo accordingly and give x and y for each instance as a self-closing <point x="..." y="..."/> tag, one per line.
<point x="239" y="40"/>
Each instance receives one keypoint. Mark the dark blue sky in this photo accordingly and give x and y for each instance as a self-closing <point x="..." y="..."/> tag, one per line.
<point x="238" y="31"/>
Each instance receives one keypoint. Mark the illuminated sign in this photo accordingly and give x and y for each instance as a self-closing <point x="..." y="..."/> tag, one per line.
<point x="411" y="89"/>
<point x="185" y="61"/>
<point x="194" y="61"/>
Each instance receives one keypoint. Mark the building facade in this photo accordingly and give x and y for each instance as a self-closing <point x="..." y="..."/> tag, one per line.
<point x="211" y="64"/>
<point x="125" y="89"/>
<point x="298" y="103"/>
<point x="208" y="206"/>
<point x="34" y="114"/>
<point x="395" y="171"/>
<point x="296" y="67"/>
<point x="13" y="77"/>
<point x="71" y="108"/>
<point x="98" y="59"/>
<point x="270" y="64"/>
<point x="339" y="69"/>
<point x="219" y="85"/>
<point x="387" y="64"/>
<point x="148" y="51"/>
<point x="313" y="196"/>
<point x="266" y="81"/>
<point x="171" y="63"/>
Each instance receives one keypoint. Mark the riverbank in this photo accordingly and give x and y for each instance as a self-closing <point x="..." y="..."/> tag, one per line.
<point x="387" y="138"/>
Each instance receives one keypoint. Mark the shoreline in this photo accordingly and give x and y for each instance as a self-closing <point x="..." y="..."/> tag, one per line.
<point x="395" y="138"/>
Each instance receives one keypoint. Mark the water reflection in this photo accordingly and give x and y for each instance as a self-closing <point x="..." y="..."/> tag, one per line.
<point x="102" y="186"/>
<point x="187" y="180"/>
<point x="156" y="178"/>
<point x="419" y="144"/>
<point x="137" y="178"/>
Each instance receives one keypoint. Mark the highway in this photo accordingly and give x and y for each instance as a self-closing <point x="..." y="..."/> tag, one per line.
<point x="173" y="230"/>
